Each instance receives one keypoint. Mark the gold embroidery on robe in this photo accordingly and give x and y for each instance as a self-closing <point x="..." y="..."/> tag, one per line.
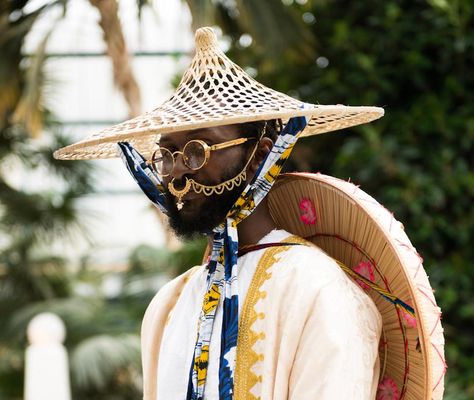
<point x="245" y="379"/>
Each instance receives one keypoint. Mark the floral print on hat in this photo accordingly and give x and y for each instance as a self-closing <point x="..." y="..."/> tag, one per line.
<point x="366" y="269"/>
<point x="388" y="390"/>
<point x="307" y="212"/>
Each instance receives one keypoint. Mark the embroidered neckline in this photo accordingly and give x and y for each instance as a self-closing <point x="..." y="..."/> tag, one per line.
<point x="259" y="246"/>
<point x="247" y="357"/>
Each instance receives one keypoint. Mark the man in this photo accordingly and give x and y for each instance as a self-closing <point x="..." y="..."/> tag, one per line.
<point x="269" y="316"/>
<point x="200" y="213"/>
<point x="306" y="331"/>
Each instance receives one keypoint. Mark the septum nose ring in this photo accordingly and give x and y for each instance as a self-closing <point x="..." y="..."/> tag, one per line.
<point x="179" y="193"/>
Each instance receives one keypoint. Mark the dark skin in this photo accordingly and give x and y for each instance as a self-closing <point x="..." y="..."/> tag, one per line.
<point x="260" y="222"/>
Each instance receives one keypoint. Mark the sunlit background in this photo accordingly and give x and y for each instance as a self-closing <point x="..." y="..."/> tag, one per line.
<point x="79" y="240"/>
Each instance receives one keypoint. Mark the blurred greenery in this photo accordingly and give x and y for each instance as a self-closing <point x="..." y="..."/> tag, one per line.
<point x="415" y="58"/>
<point x="39" y="205"/>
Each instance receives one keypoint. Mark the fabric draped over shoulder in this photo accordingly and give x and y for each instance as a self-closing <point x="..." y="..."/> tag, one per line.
<point x="222" y="275"/>
<point x="305" y="330"/>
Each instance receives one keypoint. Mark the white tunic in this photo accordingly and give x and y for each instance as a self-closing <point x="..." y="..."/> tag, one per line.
<point x="306" y="331"/>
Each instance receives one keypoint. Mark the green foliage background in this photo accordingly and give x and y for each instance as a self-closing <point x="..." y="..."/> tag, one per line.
<point x="416" y="59"/>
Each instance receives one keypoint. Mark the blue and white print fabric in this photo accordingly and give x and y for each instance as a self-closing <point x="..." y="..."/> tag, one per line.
<point x="222" y="267"/>
<point x="150" y="183"/>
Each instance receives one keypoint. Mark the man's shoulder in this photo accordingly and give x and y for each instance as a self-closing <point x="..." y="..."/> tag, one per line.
<point x="306" y="260"/>
<point x="169" y="293"/>
<point x="309" y="266"/>
<point x="175" y="285"/>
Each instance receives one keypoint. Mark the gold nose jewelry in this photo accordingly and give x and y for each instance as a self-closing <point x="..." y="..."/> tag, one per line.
<point x="179" y="193"/>
<point x="205" y="189"/>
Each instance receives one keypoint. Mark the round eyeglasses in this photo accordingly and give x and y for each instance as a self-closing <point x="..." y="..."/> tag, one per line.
<point x="195" y="154"/>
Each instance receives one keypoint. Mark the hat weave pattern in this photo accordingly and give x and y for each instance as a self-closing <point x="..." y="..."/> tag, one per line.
<point x="214" y="91"/>
<point x="357" y="231"/>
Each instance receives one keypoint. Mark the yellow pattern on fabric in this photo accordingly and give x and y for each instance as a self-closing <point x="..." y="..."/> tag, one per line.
<point x="220" y="260"/>
<point x="274" y="171"/>
<point x="211" y="299"/>
<point x="241" y="208"/>
<point x="245" y="379"/>
<point x="244" y="202"/>
<point x="201" y="363"/>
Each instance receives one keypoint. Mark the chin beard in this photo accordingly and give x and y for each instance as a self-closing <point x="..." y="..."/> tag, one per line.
<point x="210" y="214"/>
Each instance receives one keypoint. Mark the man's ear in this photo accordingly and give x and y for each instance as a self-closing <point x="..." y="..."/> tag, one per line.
<point x="264" y="147"/>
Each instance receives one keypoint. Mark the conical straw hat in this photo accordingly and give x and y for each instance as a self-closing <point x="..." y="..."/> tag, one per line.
<point x="362" y="235"/>
<point x="214" y="91"/>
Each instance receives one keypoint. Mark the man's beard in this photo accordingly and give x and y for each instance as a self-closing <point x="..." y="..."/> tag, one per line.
<point x="211" y="212"/>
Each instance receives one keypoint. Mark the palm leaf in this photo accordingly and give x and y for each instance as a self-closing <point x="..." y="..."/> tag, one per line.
<point x="30" y="109"/>
<point x="97" y="360"/>
<point x="40" y="217"/>
<point x="74" y="311"/>
<point x="77" y="174"/>
<point x="12" y="35"/>
<point x="13" y="30"/>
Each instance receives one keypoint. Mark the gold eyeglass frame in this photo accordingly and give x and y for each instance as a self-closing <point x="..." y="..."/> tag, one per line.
<point x="209" y="190"/>
<point x="207" y="153"/>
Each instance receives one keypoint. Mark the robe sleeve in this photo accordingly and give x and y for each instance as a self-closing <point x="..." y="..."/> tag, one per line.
<point x="337" y="355"/>
<point x="153" y="325"/>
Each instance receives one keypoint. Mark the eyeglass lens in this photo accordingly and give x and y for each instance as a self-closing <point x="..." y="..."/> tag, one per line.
<point x="194" y="154"/>
<point x="194" y="157"/>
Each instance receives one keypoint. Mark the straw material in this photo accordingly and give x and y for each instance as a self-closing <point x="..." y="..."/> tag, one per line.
<point x="214" y="91"/>
<point x="353" y="228"/>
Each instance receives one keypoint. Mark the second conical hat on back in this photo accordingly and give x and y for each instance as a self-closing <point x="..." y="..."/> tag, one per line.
<point x="214" y="91"/>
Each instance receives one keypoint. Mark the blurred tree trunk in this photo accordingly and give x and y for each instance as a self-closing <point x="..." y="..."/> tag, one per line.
<point x="117" y="51"/>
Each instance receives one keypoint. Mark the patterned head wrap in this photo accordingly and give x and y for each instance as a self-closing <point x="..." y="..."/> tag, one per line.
<point x="222" y="267"/>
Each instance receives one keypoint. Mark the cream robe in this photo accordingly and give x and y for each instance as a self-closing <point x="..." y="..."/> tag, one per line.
<point x="306" y="331"/>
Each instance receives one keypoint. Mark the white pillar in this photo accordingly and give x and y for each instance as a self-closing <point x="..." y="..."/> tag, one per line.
<point x="46" y="369"/>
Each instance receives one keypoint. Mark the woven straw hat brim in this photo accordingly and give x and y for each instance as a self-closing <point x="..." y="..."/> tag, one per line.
<point x="215" y="91"/>
<point x="353" y="228"/>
